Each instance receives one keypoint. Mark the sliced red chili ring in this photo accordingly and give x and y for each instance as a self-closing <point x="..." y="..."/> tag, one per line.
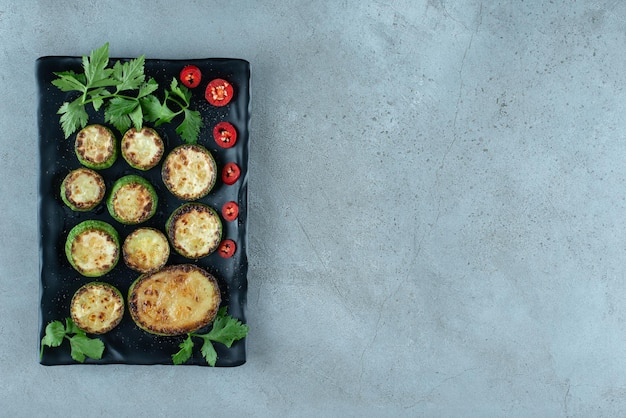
<point x="219" y="92"/>
<point x="230" y="173"/>
<point x="227" y="248"/>
<point x="190" y="76"/>
<point x="230" y="211"/>
<point x="225" y="134"/>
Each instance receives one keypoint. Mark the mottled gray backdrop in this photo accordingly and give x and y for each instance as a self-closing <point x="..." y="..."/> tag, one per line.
<point x="436" y="207"/>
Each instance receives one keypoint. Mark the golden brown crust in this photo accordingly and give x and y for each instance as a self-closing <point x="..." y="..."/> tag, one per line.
<point x="142" y="149"/>
<point x="189" y="172"/>
<point x="83" y="189"/>
<point x="97" y="308"/>
<point x="146" y="250"/>
<point x="194" y="230"/>
<point x="175" y="300"/>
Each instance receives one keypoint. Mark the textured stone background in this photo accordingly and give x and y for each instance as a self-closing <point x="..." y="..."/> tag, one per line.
<point x="436" y="207"/>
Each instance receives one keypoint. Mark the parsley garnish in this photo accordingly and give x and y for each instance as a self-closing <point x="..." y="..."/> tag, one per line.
<point x="125" y="95"/>
<point x="226" y="330"/>
<point x="159" y="112"/>
<point x="81" y="345"/>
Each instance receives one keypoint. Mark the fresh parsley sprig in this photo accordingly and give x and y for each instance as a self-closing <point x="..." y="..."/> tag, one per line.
<point x="226" y="330"/>
<point x="81" y="345"/>
<point x="159" y="112"/>
<point x="125" y="94"/>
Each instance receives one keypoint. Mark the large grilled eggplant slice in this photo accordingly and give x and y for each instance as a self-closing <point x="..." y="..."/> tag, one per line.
<point x="175" y="300"/>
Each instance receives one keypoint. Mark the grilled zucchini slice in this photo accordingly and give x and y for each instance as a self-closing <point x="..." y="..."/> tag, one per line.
<point x="132" y="200"/>
<point x="189" y="172"/>
<point x="142" y="149"/>
<point x="175" y="300"/>
<point x="82" y="189"/>
<point x="97" y="307"/>
<point x="92" y="248"/>
<point x="96" y="147"/>
<point x="194" y="230"/>
<point x="146" y="250"/>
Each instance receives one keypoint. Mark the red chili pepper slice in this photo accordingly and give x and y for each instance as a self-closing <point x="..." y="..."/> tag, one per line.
<point x="190" y="76"/>
<point x="227" y="248"/>
<point x="230" y="211"/>
<point x="219" y="92"/>
<point x="230" y="173"/>
<point x="225" y="134"/>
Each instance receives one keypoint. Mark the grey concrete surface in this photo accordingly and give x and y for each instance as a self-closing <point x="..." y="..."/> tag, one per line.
<point x="437" y="208"/>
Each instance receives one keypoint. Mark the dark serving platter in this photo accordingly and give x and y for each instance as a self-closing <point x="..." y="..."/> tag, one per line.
<point x="127" y="344"/>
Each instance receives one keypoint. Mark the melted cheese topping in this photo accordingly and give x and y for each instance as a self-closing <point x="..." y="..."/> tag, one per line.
<point x="197" y="233"/>
<point x="175" y="300"/>
<point x="133" y="203"/>
<point x="84" y="188"/>
<point x="93" y="251"/>
<point x="142" y="148"/>
<point x="96" y="308"/>
<point x="146" y="249"/>
<point x="95" y="144"/>
<point x="189" y="172"/>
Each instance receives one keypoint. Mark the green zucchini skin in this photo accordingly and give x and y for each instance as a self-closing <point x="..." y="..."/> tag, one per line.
<point x="110" y="311"/>
<point x="210" y="233"/>
<point x="189" y="172"/>
<point x="76" y="202"/>
<point x="142" y="149"/>
<point x="141" y="208"/>
<point x="100" y="136"/>
<point x="79" y="255"/>
<point x="145" y="250"/>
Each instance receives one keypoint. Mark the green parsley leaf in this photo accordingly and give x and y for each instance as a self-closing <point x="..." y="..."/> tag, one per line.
<point x="208" y="351"/>
<point x="155" y="111"/>
<point x="189" y="128"/>
<point x="95" y="67"/>
<point x="70" y="81"/>
<point x="55" y="331"/>
<point x="147" y="88"/>
<point x="73" y="117"/>
<point x="118" y="110"/>
<point x="130" y="103"/>
<point x="130" y="75"/>
<point x="227" y="329"/>
<point x="185" y="351"/>
<point x="180" y="91"/>
<point x="83" y="346"/>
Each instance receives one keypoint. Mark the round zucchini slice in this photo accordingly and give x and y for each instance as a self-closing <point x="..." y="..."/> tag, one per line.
<point x="96" y="147"/>
<point x="82" y="189"/>
<point x="92" y="248"/>
<point x="175" y="300"/>
<point x="194" y="230"/>
<point x="146" y="250"/>
<point x="132" y="200"/>
<point x="97" y="307"/>
<point x="142" y="149"/>
<point x="189" y="172"/>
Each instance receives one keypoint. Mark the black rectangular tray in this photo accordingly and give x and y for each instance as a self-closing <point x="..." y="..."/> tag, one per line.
<point x="127" y="343"/>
